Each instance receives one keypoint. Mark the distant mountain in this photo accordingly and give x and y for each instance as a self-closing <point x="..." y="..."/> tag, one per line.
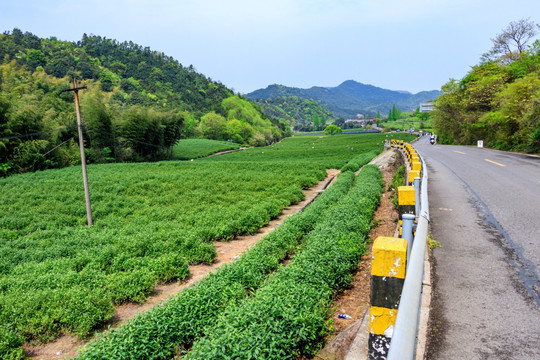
<point x="351" y="97"/>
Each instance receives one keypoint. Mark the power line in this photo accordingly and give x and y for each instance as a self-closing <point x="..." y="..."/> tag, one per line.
<point x="71" y="127"/>
<point x="124" y="138"/>
<point x="57" y="146"/>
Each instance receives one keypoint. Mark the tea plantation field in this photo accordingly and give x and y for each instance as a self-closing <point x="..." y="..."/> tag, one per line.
<point x="196" y="148"/>
<point x="150" y="221"/>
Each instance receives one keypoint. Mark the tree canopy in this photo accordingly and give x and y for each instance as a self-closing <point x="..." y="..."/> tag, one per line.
<point x="498" y="101"/>
<point x="332" y="130"/>
<point x="510" y="44"/>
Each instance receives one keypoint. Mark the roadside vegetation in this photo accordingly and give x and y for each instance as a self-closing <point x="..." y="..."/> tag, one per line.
<point x="498" y="100"/>
<point x="298" y="113"/>
<point x="398" y="179"/>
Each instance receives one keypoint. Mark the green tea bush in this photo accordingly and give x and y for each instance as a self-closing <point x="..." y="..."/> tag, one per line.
<point x="286" y="317"/>
<point x="11" y="343"/>
<point x="357" y="162"/>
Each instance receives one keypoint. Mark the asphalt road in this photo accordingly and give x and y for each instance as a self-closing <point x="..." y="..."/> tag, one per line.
<point x="485" y="213"/>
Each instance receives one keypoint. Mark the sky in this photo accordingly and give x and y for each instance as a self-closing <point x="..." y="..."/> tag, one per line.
<point x="411" y="45"/>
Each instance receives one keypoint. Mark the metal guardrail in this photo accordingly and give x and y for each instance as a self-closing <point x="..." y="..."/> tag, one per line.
<point x="403" y="344"/>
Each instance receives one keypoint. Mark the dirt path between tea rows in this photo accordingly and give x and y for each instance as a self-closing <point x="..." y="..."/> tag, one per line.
<point x="68" y="345"/>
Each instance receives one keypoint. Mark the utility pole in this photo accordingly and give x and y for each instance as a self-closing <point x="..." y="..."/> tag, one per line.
<point x="81" y="146"/>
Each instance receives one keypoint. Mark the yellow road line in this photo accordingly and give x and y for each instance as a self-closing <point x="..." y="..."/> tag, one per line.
<point x="496" y="163"/>
<point x="459" y="152"/>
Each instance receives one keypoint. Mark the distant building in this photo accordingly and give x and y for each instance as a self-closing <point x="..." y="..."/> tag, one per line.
<point x="357" y="122"/>
<point x="427" y="106"/>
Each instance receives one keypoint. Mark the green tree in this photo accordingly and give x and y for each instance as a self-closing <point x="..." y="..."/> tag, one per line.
<point x="144" y="131"/>
<point x="315" y="122"/>
<point x="394" y="114"/>
<point x="60" y="64"/>
<point x="332" y="130"/>
<point x="213" y="126"/>
<point x="449" y="112"/>
<point x="515" y="120"/>
<point x="340" y="122"/>
<point x="511" y="43"/>
<point x="35" y="58"/>
<point x="98" y="118"/>
<point x="189" y="124"/>
<point x="172" y="124"/>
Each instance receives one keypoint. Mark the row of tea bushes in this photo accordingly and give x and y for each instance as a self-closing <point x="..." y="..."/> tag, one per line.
<point x="355" y="163"/>
<point x="286" y="317"/>
<point x="180" y="321"/>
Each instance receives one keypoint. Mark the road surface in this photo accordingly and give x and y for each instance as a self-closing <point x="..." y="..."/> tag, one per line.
<point x="485" y="213"/>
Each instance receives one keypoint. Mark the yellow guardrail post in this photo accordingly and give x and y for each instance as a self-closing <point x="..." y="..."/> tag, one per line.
<point x="388" y="267"/>
<point x="416" y="165"/>
<point x="406" y="202"/>
<point x="412" y="175"/>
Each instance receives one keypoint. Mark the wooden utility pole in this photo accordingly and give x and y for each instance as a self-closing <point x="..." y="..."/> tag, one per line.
<point x="81" y="146"/>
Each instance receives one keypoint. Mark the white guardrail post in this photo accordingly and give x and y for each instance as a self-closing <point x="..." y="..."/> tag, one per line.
<point x="403" y="345"/>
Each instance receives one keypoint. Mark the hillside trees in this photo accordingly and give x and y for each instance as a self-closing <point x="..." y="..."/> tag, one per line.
<point x="38" y="125"/>
<point x="137" y="105"/>
<point x="246" y="123"/>
<point x="497" y="101"/>
<point x="99" y="120"/>
<point x="149" y="133"/>
<point x="213" y="126"/>
<point x="109" y="61"/>
<point x="296" y="112"/>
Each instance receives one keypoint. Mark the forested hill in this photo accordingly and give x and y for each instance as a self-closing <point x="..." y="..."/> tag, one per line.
<point x="138" y="103"/>
<point x="134" y="73"/>
<point x="351" y="97"/>
<point x="296" y="111"/>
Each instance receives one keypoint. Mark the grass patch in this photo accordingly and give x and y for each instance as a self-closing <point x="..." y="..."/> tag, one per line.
<point x="397" y="180"/>
<point x="432" y="243"/>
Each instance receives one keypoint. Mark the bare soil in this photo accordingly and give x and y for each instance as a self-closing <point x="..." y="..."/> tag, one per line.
<point x="68" y="345"/>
